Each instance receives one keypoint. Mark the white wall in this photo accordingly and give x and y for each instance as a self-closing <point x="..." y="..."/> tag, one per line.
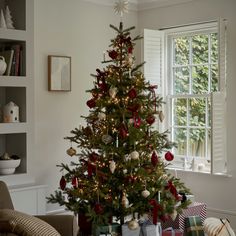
<point x="217" y="191"/>
<point x="80" y="30"/>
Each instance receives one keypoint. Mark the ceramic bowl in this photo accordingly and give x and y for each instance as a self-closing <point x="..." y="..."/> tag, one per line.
<point x="8" y="167"/>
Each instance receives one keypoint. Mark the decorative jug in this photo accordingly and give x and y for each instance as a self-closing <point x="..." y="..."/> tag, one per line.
<point x="3" y="65"/>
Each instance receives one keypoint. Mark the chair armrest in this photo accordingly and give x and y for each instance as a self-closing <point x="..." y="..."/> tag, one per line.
<point x="66" y="225"/>
<point x="5" y="226"/>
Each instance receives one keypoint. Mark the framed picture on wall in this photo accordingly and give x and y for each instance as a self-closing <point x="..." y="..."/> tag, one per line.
<point x="59" y="73"/>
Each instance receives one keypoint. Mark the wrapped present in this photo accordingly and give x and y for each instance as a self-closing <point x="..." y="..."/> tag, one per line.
<point x="172" y="232"/>
<point x="149" y="229"/>
<point x="195" y="209"/>
<point x="106" y="230"/>
<point x="193" y="226"/>
<point x="126" y="231"/>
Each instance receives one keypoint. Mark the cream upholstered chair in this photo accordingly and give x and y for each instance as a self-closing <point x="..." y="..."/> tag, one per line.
<point x="65" y="225"/>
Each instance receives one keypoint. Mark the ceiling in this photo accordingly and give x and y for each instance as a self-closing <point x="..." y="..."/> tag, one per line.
<point x="141" y="4"/>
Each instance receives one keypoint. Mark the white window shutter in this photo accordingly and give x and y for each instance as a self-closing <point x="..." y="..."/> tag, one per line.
<point x="218" y="131"/>
<point x="153" y="56"/>
<point x="222" y="30"/>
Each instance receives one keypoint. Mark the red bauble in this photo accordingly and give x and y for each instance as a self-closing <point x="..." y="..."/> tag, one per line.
<point x="134" y="107"/>
<point x="123" y="131"/>
<point x="132" y="93"/>
<point x="62" y="183"/>
<point x="98" y="208"/>
<point x="93" y="156"/>
<point x="91" y="103"/>
<point x="75" y="182"/>
<point x="154" y="159"/>
<point x="113" y="54"/>
<point x="150" y="119"/>
<point x="169" y="156"/>
<point x="130" y="50"/>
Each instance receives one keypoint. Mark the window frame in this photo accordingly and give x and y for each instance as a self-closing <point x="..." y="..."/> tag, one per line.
<point x="171" y="35"/>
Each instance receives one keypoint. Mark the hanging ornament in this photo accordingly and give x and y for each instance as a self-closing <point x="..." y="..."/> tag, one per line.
<point x="93" y="156"/>
<point x="134" y="108"/>
<point x="169" y="156"/>
<point x="133" y="224"/>
<point x="101" y="116"/>
<point x="127" y="157"/>
<point x="71" y="151"/>
<point x="150" y="119"/>
<point x="113" y="54"/>
<point x="134" y="155"/>
<point x="123" y="131"/>
<point x="112" y="166"/>
<point x="113" y="91"/>
<point x="124" y="201"/>
<point x="130" y="50"/>
<point x="173" y="215"/>
<point x="154" y="159"/>
<point x="88" y="131"/>
<point x="125" y="171"/>
<point x="145" y="193"/>
<point x="62" y="183"/>
<point x="161" y="116"/>
<point x="132" y="93"/>
<point x="75" y="182"/>
<point x="98" y="208"/>
<point x="106" y="138"/>
<point x="91" y="103"/>
<point x="121" y="7"/>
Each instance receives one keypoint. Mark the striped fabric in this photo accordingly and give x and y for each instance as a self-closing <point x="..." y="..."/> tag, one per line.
<point x="27" y="225"/>
<point x="196" y="209"/>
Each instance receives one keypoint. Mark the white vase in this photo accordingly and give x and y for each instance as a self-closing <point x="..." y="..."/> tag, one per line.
<point x="3" y="65"/>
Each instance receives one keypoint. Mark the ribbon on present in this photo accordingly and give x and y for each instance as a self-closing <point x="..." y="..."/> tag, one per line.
<point x="170" y="229"/>
<point x="156" y="207"/>
<point x="174" y="232"/>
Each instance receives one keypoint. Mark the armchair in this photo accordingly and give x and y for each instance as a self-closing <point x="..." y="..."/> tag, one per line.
<point x="66" y="225"/>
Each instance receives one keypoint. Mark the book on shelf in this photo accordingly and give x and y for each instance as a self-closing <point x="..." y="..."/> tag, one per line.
<point x="8" y="55"/>
<point x="14" y="59"/>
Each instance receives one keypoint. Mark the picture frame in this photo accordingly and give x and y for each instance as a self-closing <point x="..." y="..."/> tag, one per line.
<point x="59" y="73"/>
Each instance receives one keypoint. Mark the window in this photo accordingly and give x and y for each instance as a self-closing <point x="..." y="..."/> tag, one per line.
<point x="188" y="64"/>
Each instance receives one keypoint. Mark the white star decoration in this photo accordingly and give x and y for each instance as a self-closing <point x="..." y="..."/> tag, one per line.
<point x="121" y="7"/>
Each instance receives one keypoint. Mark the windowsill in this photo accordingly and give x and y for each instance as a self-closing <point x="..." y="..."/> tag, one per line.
<point x="199" y="172"/>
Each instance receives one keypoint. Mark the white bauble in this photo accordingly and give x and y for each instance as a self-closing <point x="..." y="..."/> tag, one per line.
<point x="125" y="171"/>
<point x="113" y="91"/>
<point x="134" y="155"/>
<point x="174" y="215"/>
<point x="145" y="193"/>
<point x="125" y="201"/>
<point x="101" y="116"/>
<point x="112" y="166"/>
<point x="106" y="138"/>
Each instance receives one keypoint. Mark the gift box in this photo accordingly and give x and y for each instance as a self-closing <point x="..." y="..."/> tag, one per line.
<point x="195" y="209"/>
<point x="172" y="232"/>
<point x="126" y="231"/>
<point x="193" y="226"/>
<point x="149" y="229"/>
<point x="106" y="230"/>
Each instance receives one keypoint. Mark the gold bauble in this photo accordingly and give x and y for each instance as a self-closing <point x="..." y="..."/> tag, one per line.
<point x="71" y="151"/>
<point x="133" y="225"/>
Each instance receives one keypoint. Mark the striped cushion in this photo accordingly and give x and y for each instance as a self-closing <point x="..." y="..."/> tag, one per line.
<point x="27" y="225"/>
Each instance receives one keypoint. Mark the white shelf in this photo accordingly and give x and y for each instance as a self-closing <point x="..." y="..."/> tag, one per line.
<point x="13" y="81"/>
<point x="13" y="128"/>
<point x="12" y="34"/>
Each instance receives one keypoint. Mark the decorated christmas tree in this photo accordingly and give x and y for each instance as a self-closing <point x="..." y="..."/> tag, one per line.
<point x="121" y="159"/>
